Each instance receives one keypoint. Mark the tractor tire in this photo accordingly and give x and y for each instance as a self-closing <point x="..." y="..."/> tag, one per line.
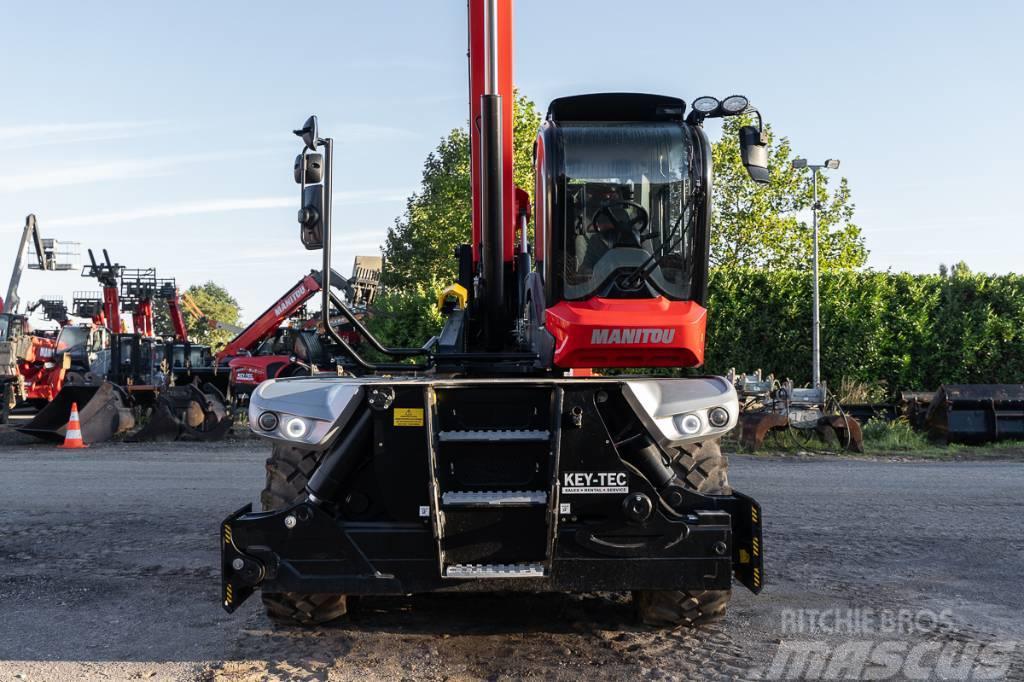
<point x="704" y="469"/>
<point x="288" y="470"/>
<point x="6" y="402"/>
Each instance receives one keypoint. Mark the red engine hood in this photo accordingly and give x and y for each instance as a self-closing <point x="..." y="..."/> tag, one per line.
<point x="605" y="332"/>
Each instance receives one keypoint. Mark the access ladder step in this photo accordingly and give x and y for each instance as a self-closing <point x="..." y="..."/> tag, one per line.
<point x="494" y="436"/>
<point x="534" y="570"/>
<point x="497" y="498"/>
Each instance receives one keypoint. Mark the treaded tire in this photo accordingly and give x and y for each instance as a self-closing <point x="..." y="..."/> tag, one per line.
<point x="680" y="607"/>
<point x="288" y="471"/>
<point x="6" y="398"/>
<point x="705" y="469"/>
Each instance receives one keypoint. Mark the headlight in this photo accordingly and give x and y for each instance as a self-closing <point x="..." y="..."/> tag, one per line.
<point x="705" y="105"/>
<point x="296" y="427"/>
<point x="267" y="421"/>
<point x="688" y="424"/>
<point x="734" y="104"/>
<point x="718" y="417"/>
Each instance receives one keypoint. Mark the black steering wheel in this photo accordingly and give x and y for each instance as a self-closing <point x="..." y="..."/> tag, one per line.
<point x="619" y="225"/>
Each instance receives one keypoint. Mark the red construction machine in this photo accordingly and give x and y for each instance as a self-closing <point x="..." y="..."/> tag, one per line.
<point x="267" y="350"/>
<point x="24" y="354"/>
<point x="119" y="378"/>
<point x="481" y="461"/>
<point x="24" y="357"/>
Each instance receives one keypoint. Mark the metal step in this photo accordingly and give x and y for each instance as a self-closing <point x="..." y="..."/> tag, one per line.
<point x="535" y="570"/>
<point x="497" y="498"/>
<point x="494" y="436"/>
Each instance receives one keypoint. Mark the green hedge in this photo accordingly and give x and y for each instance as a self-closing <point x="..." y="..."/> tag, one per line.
<point x="910" y="331"/>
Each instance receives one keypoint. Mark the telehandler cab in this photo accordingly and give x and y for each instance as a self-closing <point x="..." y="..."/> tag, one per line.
<point x="480" y="461"/>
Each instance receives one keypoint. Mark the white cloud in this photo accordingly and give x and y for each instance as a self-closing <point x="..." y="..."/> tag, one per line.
<point x="64" y="175"/>
<point x="39" y="134"/>
<point x="172" y="210"/>
<point x="219" y="206"/>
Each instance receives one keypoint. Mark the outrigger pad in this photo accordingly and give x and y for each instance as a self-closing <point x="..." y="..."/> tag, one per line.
<point x="747" y="544"/>
<point x="236" y="586"/>
<point x="102" y="410"/>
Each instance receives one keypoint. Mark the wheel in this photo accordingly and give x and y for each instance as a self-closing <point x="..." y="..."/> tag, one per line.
<point x="288" y="470"/>
<point x="6" y="402"/>
<point x="705" y="469"/>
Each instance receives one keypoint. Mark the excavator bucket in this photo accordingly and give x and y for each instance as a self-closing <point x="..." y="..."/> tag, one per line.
<point x="976" y="413"/>
<point x="103" y="410"/>
<point x="187" y="413"/>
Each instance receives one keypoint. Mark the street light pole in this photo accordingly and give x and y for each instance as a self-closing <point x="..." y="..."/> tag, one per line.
<point x="831" y="164"/>
<point x="815" y="309"/>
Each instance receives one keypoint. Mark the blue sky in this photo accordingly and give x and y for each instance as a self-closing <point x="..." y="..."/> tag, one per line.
<point x="161" y="131"/>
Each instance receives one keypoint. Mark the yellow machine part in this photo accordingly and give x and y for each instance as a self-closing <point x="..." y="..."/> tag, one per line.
<point x="453" y="291"/>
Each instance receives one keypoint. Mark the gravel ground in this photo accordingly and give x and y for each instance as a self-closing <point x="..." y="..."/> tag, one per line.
<point x="108" y="570"/>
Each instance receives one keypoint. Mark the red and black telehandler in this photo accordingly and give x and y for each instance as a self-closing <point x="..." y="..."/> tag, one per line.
<point x="267" y="350"/>
<point x="481" y="461"/>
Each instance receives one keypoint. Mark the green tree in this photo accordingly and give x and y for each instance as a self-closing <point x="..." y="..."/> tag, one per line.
<point x="762" y="226"/>
<point x="405" y="317"/>
<point x="217" y="305"/>
<point x="420" y="245"/>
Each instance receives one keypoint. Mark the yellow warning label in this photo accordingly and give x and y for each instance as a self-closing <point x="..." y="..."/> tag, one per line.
<point x="408" y="416"/>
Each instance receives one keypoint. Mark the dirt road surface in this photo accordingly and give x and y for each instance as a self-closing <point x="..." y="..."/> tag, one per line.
<point x="108" y="570"/>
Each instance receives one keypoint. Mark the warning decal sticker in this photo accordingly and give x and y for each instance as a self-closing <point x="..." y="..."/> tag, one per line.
<point x="408" y="416"/>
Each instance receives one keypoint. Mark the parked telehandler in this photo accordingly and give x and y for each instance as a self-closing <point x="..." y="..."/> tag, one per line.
<point x="482" y="461"/>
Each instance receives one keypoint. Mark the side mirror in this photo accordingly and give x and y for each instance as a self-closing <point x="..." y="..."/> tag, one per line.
<point x="313" y="166"/>
<point x="754" y="151"/>
<point x="309" y="133"/>
<point x="311" y="217"/>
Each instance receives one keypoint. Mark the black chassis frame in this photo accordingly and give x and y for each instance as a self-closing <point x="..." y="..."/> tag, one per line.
<point x="373" y="538"/>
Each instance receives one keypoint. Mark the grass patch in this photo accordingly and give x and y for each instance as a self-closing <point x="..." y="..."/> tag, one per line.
<point x="894" y="436"/>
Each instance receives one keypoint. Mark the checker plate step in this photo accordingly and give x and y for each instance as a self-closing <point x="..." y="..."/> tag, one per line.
<point x="494" y="436"/>
<point x="497" y="498"/>
<point x="494" y="571"/>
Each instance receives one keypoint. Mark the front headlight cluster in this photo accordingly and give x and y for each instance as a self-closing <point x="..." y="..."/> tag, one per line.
<point x="693" y="423"/>
<point x="289" y="427"/>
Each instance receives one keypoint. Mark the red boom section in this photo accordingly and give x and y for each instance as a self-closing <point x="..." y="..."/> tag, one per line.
<point x="177" y="318"/>
<point x="112" y="309"/>
<point x="265" y="324"/>
<point x="142" y="318"/>
<point x="605" y="332"/>
<point x="477" y="66"/>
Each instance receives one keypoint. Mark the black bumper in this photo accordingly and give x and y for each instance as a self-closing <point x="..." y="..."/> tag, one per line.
<point x="305" y="549"/>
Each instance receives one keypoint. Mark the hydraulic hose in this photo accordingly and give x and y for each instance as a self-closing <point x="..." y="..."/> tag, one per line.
<point x="326" y="483"/>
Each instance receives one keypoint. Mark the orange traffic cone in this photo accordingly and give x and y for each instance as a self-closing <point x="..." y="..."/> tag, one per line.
<point x="73" y="435"/>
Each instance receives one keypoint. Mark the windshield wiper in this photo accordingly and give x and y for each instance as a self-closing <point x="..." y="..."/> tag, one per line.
<point x="641" y="272"/>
